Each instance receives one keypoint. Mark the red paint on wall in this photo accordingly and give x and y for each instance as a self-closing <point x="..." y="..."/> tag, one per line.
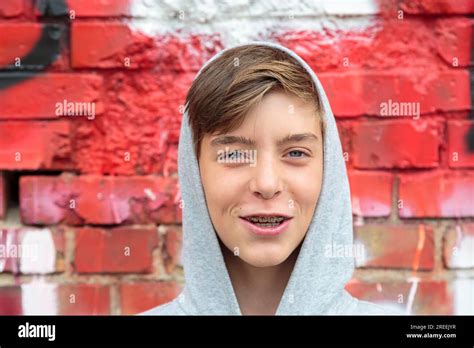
<point x="436" y="194"/>
<point x="125" y="159"/>
<point x="104" y="200"/>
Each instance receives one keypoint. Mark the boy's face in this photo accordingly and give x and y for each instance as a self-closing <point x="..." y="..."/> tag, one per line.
<point x="272" y="177"/>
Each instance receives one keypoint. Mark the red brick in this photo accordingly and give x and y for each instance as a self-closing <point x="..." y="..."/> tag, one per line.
<point x="115" y="250"/>
<point x="396" y="144"/>
<point x="371" y="193"/>
<point x="83" y="299"/>
<point x="106" y="45"/>
<point x="11" y="8"/>
<point x="10" y="300"/>
<point x="390" y="44"/>
<point x="362" y="93"/>
<point x="99" y="8"/>
<point x="436" y="194"/>
<point x="458" y="246"/>
<point x="16" y="102"/>
<point x="441" y="7"/>
<point x="35" y="145"/>
<point x="458" y="152"/>
<point x="393" y="246"/>
<point x="29" y="250"/>
<point x="139" y="297"/>
<point x="97" y="199"/>
<point x="3" y="196"/>
<point x="454" y="41"/>
<point x="345" y="134"/>
<point x="186" y="53"/>
<point x="429" y="297"/>
<point x="172" y="247"/>
<point x="17" y="40"/>
<point x="44" y="200"/>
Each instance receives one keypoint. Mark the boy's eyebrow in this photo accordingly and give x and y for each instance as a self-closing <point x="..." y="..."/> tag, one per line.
<point x="295" y="138"/>
<point x="233" y="139"/>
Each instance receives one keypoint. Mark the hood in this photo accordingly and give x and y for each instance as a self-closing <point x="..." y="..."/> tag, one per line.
<point x="316" y="284"/>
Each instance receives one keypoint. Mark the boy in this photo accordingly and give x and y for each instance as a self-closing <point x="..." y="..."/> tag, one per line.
<point x="265" y="191"/>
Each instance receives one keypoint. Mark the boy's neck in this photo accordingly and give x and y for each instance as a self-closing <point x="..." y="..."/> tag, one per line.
<point x="258" y="289"/>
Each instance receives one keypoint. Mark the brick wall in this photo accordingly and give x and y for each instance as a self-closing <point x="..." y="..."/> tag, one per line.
<point x="89" y="203"/>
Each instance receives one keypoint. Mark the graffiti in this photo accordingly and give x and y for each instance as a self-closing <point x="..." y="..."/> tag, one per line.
<point x="131" y="62"/>
<point x="46" y="50"/>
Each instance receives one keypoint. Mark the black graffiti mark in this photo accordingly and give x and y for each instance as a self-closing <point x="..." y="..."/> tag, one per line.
<point x="43" y="54"/>
<point x="52" y="7"/>
<point x="46" y="50"/>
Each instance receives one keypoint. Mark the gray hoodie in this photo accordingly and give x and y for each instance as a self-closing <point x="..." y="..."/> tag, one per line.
<point x="316" y="284"/>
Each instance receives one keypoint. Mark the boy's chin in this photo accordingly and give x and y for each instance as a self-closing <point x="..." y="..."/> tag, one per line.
<point x="260" y="259"/>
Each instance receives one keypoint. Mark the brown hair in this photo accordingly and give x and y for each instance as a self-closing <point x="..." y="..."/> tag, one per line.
<point x="229" y="86"/>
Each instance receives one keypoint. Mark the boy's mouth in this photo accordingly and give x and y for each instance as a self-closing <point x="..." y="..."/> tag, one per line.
<point x="265" y="220"/>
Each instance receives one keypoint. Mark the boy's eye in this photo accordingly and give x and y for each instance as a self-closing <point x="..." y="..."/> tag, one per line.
<point x="296" y="153"/>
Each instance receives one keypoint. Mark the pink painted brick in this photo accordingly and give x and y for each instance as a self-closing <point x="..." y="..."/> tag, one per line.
<point x="97" y="199"/>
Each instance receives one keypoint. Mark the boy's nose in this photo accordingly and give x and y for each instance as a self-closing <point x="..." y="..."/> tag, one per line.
<point x="266" y="181"/>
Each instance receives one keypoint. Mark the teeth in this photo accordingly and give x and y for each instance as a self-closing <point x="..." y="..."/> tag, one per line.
<point x="266" y="219"/>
